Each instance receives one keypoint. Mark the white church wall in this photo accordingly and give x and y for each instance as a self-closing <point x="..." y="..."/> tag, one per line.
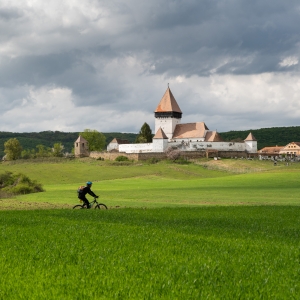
<point x="189" y="145"/>
<point x="251" y="146"/>
<point x="136" y="148"/>
<point x="160" y="145"/>
<point x="188" y="140"/>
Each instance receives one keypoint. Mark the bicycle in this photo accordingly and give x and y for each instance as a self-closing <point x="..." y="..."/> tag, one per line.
<point x="97" y="205"/>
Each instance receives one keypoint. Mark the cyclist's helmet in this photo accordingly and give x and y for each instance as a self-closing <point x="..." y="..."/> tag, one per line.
<point x="89" y="183"/>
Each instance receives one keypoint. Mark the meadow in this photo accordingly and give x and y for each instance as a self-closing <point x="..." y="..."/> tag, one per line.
<point x="227" y="182"/>
<point x="208" y="230"/>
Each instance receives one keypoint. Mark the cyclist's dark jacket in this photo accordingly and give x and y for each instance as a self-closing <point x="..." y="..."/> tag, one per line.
<point x="84" y="191"/>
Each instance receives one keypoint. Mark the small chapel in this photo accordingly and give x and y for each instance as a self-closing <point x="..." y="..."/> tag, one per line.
<point x="170" y="132"/>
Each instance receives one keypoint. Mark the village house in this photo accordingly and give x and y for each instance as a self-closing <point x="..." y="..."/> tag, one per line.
<point x="292" y="148"/>
<point x="270" y="151"/>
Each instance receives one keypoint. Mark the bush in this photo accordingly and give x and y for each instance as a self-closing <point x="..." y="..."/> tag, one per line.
<point x="6" y="179"/>
<point x="15" y="184"/>
<point x="122" y="158"/>
<point x="152" y="160"/>
<point x="173" y="153"/>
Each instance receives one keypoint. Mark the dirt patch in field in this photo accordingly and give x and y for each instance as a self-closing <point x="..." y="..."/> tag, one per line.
<point x="13" y="204"/>
<point x="236" y="166"/>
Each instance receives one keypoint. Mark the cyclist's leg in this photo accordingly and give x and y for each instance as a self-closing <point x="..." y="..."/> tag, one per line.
<point x="86" y="202"/>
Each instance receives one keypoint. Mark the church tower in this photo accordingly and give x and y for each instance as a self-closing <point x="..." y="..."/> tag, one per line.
<point x="167" y="114"/>
<point x="251" y="143"/>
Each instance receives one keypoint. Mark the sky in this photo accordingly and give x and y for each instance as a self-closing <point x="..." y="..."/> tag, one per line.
<point x="69" y="65"/>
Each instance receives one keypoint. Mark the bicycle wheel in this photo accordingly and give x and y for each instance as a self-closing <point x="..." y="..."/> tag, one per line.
<point x="100" y="206"/>
<point x="78" y="206"/>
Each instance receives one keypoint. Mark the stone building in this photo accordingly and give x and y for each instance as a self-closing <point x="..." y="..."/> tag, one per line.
<point x="81" y="147"/>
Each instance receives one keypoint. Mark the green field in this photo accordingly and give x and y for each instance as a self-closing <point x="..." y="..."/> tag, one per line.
<point x="225" y="229"/>
<point x="228" y="182"/>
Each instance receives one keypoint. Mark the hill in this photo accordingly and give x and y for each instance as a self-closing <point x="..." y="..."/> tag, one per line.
<point x="29" y="140"/>
<point x="265" y="137"/>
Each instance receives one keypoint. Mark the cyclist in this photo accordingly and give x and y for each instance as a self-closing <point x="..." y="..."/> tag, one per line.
<point x="84" y="191"/>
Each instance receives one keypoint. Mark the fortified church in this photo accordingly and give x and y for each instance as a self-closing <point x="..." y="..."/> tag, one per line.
<point x="170" y="132"/>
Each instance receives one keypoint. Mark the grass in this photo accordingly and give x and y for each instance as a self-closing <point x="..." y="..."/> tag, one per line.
<point x="196" y="231"/>
<point x="168" y="253"/>
<point x="159" y="185"/>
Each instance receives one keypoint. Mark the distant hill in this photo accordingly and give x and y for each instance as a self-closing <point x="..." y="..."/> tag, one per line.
<point x="265" y="136"/>
<point x="29" y="140"/>
<point x="273" y="136"/>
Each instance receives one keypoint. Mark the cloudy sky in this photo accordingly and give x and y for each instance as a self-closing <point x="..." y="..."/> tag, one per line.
<point x="68" y="65"/>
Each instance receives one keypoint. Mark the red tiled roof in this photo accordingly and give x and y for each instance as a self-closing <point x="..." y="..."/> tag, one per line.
<point x="168" y="103"/>
<point x="160" y="134"/>
<point x="190" y="130"/>
<point x="274" y="149"/>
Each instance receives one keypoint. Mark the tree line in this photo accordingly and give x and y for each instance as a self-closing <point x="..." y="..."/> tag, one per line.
<point x="34" y="140"/>
<point x="56" y="143"/>
<point x="266" y="137"/>
<point x="13" y="149"/>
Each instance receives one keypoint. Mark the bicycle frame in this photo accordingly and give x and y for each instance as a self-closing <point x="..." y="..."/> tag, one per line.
<point x="93" y="204"/>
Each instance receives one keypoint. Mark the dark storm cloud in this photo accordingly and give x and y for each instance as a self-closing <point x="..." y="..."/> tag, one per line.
<point x="121" y="55"/>
<point x="35" y="70"/>
<point x="265" y="30"/>
<point x="182" y="38"/>
<point x="7" y="14"/>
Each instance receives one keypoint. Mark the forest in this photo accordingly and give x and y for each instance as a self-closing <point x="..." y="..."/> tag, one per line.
<point x="265" y="137"/>
<point x="29" y="140"/>
<point x="273" y="136"/>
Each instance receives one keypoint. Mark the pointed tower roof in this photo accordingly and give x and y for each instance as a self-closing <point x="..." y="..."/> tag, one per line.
<point x="213" y="136"/>
<point x="119" y="141"/>
<point x="160" y="134"/>
<point x="168" y="103"/>
<point x="81" y="139"/>
<point x="250" y="137"/>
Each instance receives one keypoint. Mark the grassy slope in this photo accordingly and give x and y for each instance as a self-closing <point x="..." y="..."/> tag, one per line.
<point x="208" y="183"/>
<point x="207" y="252"/>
